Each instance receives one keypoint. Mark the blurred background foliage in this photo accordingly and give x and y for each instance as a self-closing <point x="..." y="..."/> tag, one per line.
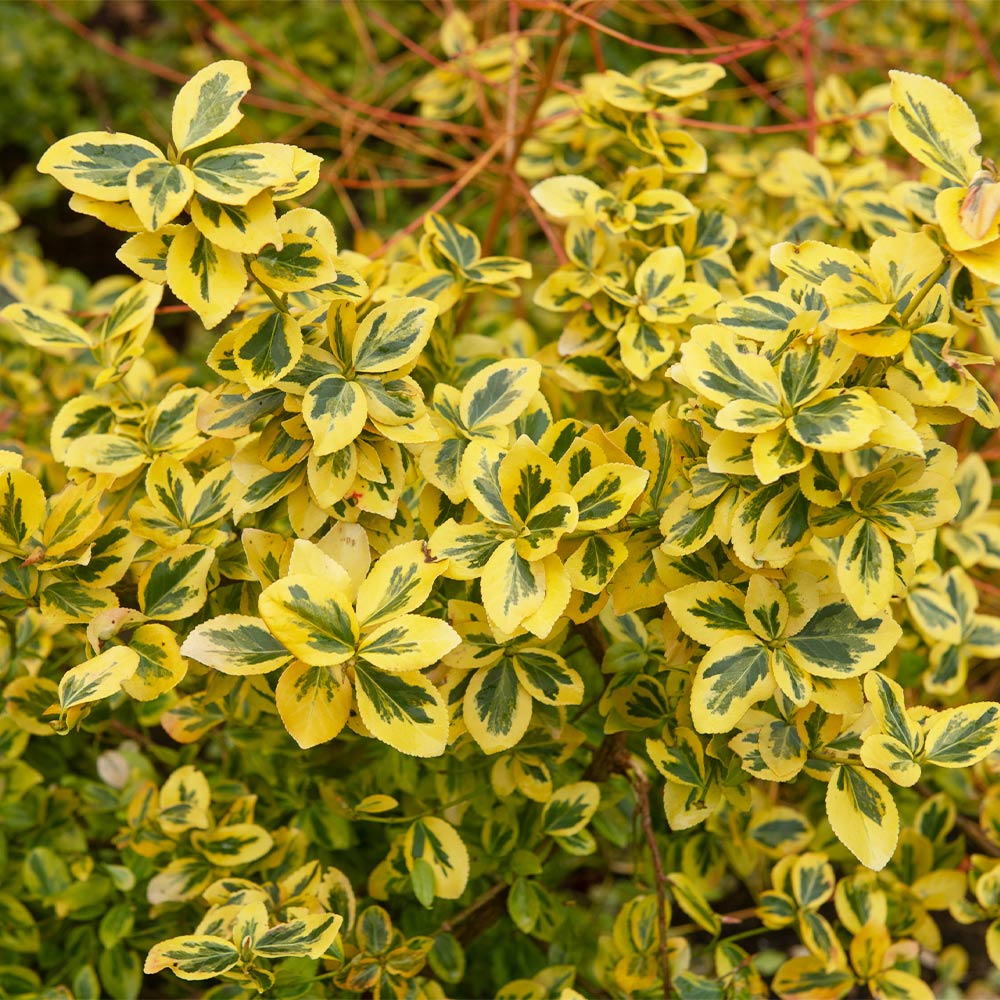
<point x="338" y="78"/>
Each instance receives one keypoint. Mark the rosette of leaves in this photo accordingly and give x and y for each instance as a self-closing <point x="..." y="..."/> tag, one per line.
<point x="773" y="637"/>
<point x="781" y="409"/>
<point x="451" y="88"/>
<point x="343" y="642"/>
<point x="944" y="613"/>
<point x="883" y="967"/>
<point x="451" y="266"/>
<point x="229" y="193"/>
<point x="499" y="681"/>
<point x="528" y="503"/>
<point x="337" y="421"/>
<point x="233" y="946"/>
<point x="835" y="198"/>
<point x="176" y="820"/>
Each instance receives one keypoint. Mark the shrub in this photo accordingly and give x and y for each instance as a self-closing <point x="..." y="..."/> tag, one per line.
<point x="347" y="647"/>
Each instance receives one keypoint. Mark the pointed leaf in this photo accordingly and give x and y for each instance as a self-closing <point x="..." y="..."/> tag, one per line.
<point x="403" y="710"/>
<point x="236" y="644"/>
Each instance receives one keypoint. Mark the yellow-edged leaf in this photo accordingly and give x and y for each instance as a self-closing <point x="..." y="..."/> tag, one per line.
<point x="97" y="678"/>
<point x="235" y="174"/>
<point x="934" y="125"/>
<point x="175" y="585"/>
<point x="193" y="957"/>
<point x="159" y="191"/>
<point x="403" y="710"/>
<point x="863" y="815"/>
<point x="207" y="106"/>
<point x="313" y="702"/>
<point x="266" y="347"/>
<point x="732" y="677"/>
<point x="512" y="588"/>
<point x="236" y="644"/>
<point x="300" y="263"/>
<point x="960" y="737"/>
<point x="22" y="509"/>
<point x="118" y="215"/>
<point x="312" y="616"/>
<point x="866" y="569"/>
<point x="233" y="845"/>
<point x="408" y="642"/>
<point x="570" y="809"/>
<point x="392" y="336"/>
<point x="309" y="936"/>
<point x="496" y="394"/>
<point x="240" y="228"/>
<point x="496" y="707"/>
<point x="146" y="253"/>
<point x="335" y="411"/>
<point x="96" y="164"/>
<point x="204" y="276"/>
<point x="437" y="842"/>
<point x="708" y="612"/>
<point x="47" y="329"/>
<point x="161" y="666"/>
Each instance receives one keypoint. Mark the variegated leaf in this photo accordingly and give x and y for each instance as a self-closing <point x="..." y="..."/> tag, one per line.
<point x="392" y="336"/>
<point x="175" y="585"/>
<point x="439" y="845"/>
<point x="192" y="957"/>
<point x="312" y="616"/>
<point x="403" y="710"/>
<point x="159" y="191"/>
<point x="313" y="702"/>
<point x="496" y="708"/>
<point x="204" y="276"/>
<point x="96" y="164"/>
<point x="97" y="678"/>
<point x="236" y="644"/>
<point x="207" y="106"/>
<point x="863" y="815"/>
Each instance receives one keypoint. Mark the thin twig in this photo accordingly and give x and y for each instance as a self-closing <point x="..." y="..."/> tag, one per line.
<point x="641" y="785"/>
<point x="473" y="907"/>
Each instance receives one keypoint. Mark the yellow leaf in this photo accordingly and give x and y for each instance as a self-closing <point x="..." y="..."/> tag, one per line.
<point x="97" y="678"/>
<point x="934" y="125"/>
<point x="207" y="278"/>
<point x="118" y="215"/>
<point x="313" y="702"/>
<point x="207" y="106"/>
<point x="863" y="815"/>
<point x="146" y="253"/>
<point x="96" y="164"/>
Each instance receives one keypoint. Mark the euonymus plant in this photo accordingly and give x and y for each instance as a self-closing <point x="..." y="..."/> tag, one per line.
<point x="389" y="612"/>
